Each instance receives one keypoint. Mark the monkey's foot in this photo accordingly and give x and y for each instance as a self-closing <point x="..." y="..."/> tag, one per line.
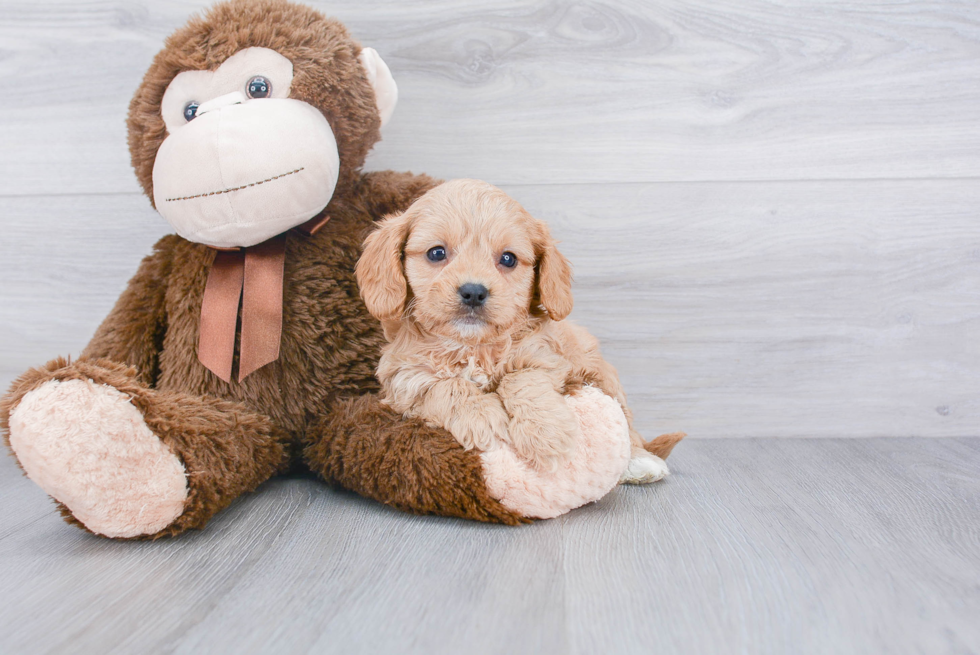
<point x="88" y="447"/>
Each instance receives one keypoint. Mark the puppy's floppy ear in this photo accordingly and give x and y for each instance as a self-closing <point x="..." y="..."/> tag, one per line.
<point x="380" y="272"/>
<point x="553" y="276"/>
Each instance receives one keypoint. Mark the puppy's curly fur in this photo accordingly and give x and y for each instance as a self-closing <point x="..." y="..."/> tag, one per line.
<point x="490" y="366"/>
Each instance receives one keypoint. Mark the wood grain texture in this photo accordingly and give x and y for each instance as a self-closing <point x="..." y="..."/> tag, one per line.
<point x="830" y="546"/>
<point x="551" y="91"/>
<point x="753" y="545"/>
<point x="792" y="309"/>
<point x="730" y="309"/>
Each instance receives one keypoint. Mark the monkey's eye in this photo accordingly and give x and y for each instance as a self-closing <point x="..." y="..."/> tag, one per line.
<point x="258" y="87"/>
<point x="436" y="254"/>
<point x="508" y="259"/>
<point x="190" y="111"/>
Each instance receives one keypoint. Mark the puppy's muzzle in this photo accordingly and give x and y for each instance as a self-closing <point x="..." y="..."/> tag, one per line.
<point x="473" y="295"/>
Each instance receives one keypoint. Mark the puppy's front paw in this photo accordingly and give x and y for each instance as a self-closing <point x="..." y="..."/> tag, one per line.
<point x="547" y="439"/>
<point x="644" y="468"/>
<point x="481" y="424"/>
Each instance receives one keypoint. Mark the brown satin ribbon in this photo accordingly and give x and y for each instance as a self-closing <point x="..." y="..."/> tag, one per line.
<point x="219" y="312"/>
<point x="262" y="305"/>
<point x="251" y="277"/>
<point x="312" y="226"/>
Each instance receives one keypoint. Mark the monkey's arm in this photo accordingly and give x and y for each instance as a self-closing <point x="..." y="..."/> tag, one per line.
<point x="132" y="333"/>
<point x="371" y="449"/>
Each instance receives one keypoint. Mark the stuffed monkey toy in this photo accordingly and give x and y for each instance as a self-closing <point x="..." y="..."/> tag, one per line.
<point x="241" y="347"/>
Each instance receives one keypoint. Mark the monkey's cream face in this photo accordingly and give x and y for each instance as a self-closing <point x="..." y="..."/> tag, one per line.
<point x="242" y="162"/>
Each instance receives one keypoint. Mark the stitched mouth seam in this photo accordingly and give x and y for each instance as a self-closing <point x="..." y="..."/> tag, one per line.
<point x="237" y="188"/>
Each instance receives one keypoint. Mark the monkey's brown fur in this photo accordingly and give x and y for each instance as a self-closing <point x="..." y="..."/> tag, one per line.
<point x="316" y="403"/>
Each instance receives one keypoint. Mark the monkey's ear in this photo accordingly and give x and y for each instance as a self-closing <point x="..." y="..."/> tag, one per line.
<point x="380" y="273"/>
<point x="385" y="89"/>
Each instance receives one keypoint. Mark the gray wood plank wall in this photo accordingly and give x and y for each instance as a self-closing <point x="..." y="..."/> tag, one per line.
<point x="772" y="207"/>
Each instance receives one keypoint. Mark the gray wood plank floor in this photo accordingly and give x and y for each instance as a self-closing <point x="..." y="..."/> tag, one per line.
<point x="751" y="546"/>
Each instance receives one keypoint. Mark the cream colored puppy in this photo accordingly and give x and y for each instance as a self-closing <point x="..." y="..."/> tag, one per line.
<point x="472" y="293"/>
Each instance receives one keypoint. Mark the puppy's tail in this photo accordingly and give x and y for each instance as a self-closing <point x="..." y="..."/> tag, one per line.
<point x="662" y="445"/>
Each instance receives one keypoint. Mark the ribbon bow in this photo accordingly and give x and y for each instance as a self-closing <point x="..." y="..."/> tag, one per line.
<point x="253" y="278"/>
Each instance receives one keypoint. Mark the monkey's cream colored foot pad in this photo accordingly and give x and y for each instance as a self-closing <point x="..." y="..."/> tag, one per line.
<point x="594" y="470"/>
<point x="88" y="447"/>
<point x="645" y="468"/>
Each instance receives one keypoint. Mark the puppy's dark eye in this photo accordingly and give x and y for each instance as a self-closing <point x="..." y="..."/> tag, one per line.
<point x="258" y="87"/>
<point x="436" y="254"/>
<point x="508" y="259"/>
<point x="190" y="111"/>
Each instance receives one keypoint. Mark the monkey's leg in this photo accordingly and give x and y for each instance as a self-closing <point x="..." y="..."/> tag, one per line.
<point x="131" y="462"/>
<point x="366" y="447"/>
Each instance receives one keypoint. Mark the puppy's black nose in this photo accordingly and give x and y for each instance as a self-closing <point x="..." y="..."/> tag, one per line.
<point x="473" y="295"/>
